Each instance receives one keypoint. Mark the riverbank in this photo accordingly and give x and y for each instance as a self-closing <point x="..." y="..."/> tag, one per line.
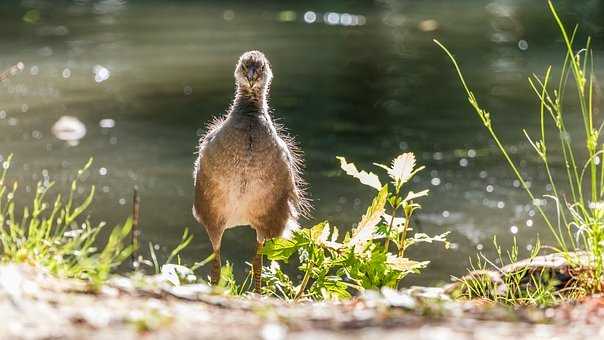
<point x="36" y="305"/>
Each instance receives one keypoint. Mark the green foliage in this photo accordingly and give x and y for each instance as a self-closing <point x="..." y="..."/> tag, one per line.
<point x="370" y="256"/>
<point x="56" y="235"/>
<point x="577" y="222"/>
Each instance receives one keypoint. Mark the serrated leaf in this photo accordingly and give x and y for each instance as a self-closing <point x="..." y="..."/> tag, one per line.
<point x="422" y="237"/>
<point x="367" y="178"/>
<point x="403" y="264"/>
<point x="402" y="167"/>
<point x="279" y="249"/>
<point x="332" y="245"/>
<point x="334" y="234"/>
<point x="413" y="195"/>
<point x="366" y="227"/>
<point x="319" y="232"/>
<point x="425" y="238"/>
<point x="333" y="240"/>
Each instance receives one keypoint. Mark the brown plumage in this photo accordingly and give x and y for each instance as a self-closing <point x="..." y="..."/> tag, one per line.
<point x="247" y="172"/>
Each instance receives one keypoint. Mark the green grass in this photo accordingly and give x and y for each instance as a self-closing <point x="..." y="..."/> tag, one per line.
<point x="577" y="222"/>
<point x="56" y="234"/>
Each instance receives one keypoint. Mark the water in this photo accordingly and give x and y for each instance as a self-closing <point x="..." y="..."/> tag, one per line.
<point x="144" y="77"/>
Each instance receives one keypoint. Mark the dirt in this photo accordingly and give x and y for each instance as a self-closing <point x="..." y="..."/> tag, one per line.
<point x="36" y="305"/>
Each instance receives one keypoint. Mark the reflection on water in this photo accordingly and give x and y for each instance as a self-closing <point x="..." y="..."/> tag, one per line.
<point x="69" y="129"/>
<point x="133" y="83"/>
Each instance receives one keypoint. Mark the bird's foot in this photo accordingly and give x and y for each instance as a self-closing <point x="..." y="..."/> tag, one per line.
<point x="257" y="268"/>
<point x="216" y="267"/>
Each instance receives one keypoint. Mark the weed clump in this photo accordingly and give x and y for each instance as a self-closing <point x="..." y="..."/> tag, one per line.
<point x="577" y="222"/>
<point x="56" y="234"/>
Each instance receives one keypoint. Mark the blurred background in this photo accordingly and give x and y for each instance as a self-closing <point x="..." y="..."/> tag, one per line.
<point x="132" y="84"/>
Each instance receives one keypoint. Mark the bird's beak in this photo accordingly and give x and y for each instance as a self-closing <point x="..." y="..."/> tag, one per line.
<point x="250" y="75"/>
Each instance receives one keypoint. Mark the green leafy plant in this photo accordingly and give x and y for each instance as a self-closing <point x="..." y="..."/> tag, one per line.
<point x="56" y="235"/>
<point x="577" y="222"/>
<point x="370" y="256"/>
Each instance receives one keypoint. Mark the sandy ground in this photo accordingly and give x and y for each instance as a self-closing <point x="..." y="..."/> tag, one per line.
<point x="35" y="305"/>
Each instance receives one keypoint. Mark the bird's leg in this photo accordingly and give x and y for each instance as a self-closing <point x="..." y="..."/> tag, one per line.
<point x="215" y="273"/>
<point x="257" y="267"/>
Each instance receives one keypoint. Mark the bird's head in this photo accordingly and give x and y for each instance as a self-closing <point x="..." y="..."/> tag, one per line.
<point x="253" y="72"/>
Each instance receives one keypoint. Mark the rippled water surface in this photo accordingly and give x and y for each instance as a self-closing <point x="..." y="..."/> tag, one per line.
<point x="358" y="79"/>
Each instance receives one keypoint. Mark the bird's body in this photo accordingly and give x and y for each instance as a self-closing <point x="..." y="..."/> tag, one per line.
<point x="246" y="172"/>
<point x="244" y="177"/>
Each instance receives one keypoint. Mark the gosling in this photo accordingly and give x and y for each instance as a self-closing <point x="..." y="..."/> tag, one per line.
<point x="247" y="171"/>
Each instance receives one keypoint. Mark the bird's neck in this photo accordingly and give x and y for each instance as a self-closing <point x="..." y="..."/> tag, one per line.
<point x="250" y="102"/>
